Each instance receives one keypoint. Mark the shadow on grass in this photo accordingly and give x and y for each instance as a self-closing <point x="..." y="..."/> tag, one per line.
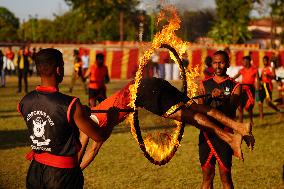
<point x="9" y="116"/>
<point x="19" y="138"/>
<point x="266" y="124"/>
<point x="125" y="129"/>
<point x="8" y="111"/>
<point x="257" y="115"/>
<point x="13" y="139"/>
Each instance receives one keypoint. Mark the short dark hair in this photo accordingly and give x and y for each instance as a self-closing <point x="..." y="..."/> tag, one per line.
<point x="247" y="58"/>
<point x="208" y="61"/>
<point x="266" y="58"/>
<point x="225" y="56"/>
<point x="47" y="60"/>
<point x="100" y="56"/>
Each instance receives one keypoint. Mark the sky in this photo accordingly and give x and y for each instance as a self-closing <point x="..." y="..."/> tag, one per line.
<point x="24" y="9"/>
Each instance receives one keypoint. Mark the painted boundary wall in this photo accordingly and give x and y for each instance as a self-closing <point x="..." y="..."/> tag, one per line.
<point x="122" y="59"/>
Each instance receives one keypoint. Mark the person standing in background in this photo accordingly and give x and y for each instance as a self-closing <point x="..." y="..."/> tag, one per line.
<point x="77" y="71"/>
<point x="249" y="75"/>
<point x="23" y="69"/>
<point x="85" y="61"/>
<point x="2" y="69"/>
<point x="98" y="77"/>
<point x="10" y="55"/>
<point x="208" y="71"/>
<point x="155" y="60"/>
<point x="265" y="92"/>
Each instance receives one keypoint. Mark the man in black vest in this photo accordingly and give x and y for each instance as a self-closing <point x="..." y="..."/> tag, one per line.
<point x="53" y="120"/>
<point x="225" y="97"/>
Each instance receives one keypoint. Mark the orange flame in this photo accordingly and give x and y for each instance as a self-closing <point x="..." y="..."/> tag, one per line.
<point x="162" y="148"/>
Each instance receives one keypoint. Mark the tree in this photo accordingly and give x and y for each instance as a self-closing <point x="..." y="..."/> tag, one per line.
<point x="196" y="24"/>
<point x="277" y="17"/>
<point x="109" y="16"/>
<point x="8" y="25"/>
<point x="232" y="21"/>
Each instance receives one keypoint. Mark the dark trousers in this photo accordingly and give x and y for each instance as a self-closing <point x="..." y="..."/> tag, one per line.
<point x="22" y="74"/>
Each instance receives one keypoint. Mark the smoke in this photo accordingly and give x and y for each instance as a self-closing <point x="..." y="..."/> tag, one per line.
<point x="191" y="5"/>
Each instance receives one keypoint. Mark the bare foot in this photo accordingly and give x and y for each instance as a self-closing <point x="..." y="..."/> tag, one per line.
<point x="236" y="145"/>
<point x="249" y="139"/>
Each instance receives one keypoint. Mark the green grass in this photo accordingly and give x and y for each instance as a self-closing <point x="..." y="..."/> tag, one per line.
<point x="121" y="164"/>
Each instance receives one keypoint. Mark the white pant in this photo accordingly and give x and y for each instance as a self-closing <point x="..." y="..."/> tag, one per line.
<point x="168" y="71"/>
<point x="176" y="72"/>
<point x="9" y="64"/>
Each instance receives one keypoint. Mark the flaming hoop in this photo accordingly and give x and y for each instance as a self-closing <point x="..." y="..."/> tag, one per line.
<point x="160" y="154"/>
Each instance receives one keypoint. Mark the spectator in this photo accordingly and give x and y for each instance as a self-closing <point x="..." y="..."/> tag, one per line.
<point x="2" y="69"/>
<point x="23" y="69"/>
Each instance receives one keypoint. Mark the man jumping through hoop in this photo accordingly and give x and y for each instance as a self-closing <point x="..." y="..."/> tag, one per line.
<point x="158" y="96"/>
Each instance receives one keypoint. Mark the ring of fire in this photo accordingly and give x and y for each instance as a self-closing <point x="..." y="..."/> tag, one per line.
<point x="161" y="154"/>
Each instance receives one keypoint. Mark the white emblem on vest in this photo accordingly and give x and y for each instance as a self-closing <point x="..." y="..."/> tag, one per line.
<point x="39" y="132"/>
<point x="227" y="91"/>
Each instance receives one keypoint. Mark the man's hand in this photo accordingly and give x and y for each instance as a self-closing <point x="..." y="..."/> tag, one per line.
<point x="112" y="116"/>
<point x="87" y="109"/>
<point x="217" y="93"/>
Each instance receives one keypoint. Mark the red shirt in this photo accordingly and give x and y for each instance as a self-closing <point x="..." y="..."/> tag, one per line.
<point x="266" y="75"/>
<point x="209" y="70"/>
<point x="10" y="55"/>
<point x="248" y="75"/>
<point x="97" y="77"/>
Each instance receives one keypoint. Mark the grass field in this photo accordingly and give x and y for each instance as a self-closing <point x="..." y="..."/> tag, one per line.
<point x="121" y="164"/>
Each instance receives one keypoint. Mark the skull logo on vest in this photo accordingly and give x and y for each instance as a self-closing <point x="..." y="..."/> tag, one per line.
<point x="39" y="130"/>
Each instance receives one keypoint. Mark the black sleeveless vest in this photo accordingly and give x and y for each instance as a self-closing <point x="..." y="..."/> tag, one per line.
<point x="227" y="85"/>
<point x="50" y="126"/>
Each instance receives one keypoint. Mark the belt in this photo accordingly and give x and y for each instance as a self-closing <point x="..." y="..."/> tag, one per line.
<point x="53" y="160"/>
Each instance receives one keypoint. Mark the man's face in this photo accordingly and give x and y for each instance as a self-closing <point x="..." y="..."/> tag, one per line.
<point x="265" y="62"/>
<point x="246" y="63"/>
<point x="99" y="61"/>
<point x="219" y="65"/>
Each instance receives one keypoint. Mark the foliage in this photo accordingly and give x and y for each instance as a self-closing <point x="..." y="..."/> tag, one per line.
<point x="277" y="14"/>
<point x="232" y="21"/>
<point x="105" y="15"/>
<point x="71" y="27"/>
<point x="8" y="25"/>
<point x="196" y="24"/>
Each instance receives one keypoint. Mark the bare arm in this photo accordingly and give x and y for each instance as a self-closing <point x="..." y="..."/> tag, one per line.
<point x="107" y="79"/>
<point x="86" y="156"/>
<point x="87" y="73"/>
<point x="237" y="75"/>
<point x="257" y="81"/>
<point x="89" y="127"/>
<point x="84" y="140"/>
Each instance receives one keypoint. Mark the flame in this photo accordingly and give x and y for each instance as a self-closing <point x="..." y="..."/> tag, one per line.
<point x="162" y="147"/>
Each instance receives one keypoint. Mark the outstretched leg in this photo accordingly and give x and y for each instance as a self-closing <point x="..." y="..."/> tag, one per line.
<point x="242" y="128"/>
<point x="201" y="121"/>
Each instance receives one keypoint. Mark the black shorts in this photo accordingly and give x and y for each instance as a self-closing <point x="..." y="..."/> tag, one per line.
<point x="98" y="94"/>
<point x="265" y="92"/>
<point x="215" y="149"/>
<point x="158" y="96"/>
<point x="41" y="176"/>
